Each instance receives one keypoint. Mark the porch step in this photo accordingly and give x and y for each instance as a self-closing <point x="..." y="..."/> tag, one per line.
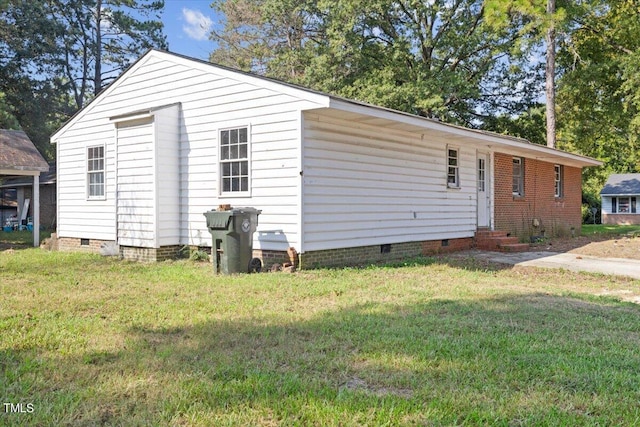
<point x="515" y="247"/>
<point x="487" y="234"/>
<point x="500" y="241"/>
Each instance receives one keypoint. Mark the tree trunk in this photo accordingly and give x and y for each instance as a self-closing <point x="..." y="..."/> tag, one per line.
<point x="550" y="72"/>
<point x="97" y="76"/>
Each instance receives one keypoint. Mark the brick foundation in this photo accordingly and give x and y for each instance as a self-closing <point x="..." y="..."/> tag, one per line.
<point x="620" y="219"/>
<point x="433" y="247"/>
<point x="314" y="259"/>
<point x="126" y="252"/>
<point x="271" y="257"/>
<point x="84" y="245"/>
<point x="380" y="253"/>
<point x="150" y="254"/>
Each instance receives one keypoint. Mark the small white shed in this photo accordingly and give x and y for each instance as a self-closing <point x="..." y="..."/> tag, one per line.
<point x="338" y="180"/>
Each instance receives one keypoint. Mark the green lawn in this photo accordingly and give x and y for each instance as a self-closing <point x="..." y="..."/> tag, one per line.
<point x="594" y="229"/>
<point x="90" y="341"/>
<point x="20" y="238"/>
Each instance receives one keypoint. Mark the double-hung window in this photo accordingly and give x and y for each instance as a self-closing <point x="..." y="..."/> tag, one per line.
<point x="95" y="172"/>
<point x="453" y="166"/>
<point x="234" y="161"/>
<point x="557" y="180"/>
<point x="518" y="176"/>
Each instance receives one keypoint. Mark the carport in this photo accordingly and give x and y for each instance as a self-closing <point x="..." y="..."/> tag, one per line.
<point x="19" y="157"/>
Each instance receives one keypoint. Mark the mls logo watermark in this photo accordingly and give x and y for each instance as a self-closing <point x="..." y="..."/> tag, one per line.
<point x="18" y="408"/>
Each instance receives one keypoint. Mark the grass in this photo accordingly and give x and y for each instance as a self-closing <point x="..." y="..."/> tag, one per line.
<point x="95" y="341"/>
<point x="20" y="238"/>
<point x="604" y="229"/>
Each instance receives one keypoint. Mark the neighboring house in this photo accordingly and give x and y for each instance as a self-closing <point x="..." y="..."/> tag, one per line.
<point x="19" y="157"/>
<point x="619" y="199"/>
<point x="338" y="180"/>
<point x="20" y="188"/>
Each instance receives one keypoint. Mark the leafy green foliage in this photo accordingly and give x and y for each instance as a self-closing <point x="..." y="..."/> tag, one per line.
<point x="598" y="91"/>
<point x="435" y="59"/>
<point x="469" y="62"/>
<point x="56" y="55"/>
<point x="7" y="119"/>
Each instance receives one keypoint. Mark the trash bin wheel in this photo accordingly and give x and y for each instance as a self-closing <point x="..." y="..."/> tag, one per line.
<point x="255" y="265"/>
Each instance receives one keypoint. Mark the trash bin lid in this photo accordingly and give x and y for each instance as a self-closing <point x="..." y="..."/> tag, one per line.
<point x="218" y="220"/>
<point x="246" y="211"/>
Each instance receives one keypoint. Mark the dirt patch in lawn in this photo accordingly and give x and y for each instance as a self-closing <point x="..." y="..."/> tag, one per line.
<point x="606" y="246"/>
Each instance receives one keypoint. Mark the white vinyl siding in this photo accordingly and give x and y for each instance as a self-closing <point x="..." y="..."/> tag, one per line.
<point x="368" y="185"/>
<point x="167" y="166"/>
<point x="211" y="99"/>
<point x="136" y="215"/>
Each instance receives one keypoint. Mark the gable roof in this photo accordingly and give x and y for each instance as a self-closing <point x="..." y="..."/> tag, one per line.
<point x="620" y="184"/>
<point x="356" y="110"/>
<point x="18" y="155"/>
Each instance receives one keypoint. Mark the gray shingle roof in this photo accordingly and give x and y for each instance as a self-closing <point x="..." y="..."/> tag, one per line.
<point x="622" y="183"/>
<point x="17" y="152"/>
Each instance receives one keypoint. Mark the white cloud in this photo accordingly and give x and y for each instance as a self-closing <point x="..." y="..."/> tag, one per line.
<point x="197" y="24"/>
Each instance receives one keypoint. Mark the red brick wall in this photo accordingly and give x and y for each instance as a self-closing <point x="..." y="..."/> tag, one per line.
<point x="516" y="215"/>
<point x="620" y="219"/>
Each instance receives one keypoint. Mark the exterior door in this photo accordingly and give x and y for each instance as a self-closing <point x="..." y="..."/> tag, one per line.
<point x="483" y="186"/>
<point x="135" y="186"/>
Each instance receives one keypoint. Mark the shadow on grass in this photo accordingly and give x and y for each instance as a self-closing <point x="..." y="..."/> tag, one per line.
<point x="19" y="239"/>
<point x="527" y="359"/>
<point x="464" y="260"/>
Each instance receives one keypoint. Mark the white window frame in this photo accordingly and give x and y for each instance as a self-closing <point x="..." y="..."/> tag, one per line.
<point x="92" y="168"/>
<point x="235" y="170"/>
<point x="630" y="203"/>
<point x="558" y="180"/>
<point x="453" y="167"/>
<point x="482" y="174"/>
<point x="518" y="188"/>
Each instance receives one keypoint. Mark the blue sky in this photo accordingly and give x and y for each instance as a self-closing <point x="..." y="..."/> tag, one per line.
<point x="187" y="24"/>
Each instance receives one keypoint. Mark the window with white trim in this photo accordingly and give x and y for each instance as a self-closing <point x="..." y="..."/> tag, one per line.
<point x="518" y="176"/>
<point x="95" y="172"/>
<point x="557" y="180"/>
<point x="234" y="161"/>
<point x="623" y="205"/>
<point x="453" y="166"/>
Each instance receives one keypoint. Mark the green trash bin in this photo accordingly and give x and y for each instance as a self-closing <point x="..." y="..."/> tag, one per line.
<point x="232" y="235"/>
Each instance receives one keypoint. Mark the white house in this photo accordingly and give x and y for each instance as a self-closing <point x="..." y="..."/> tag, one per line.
<point x="338" y="180"/>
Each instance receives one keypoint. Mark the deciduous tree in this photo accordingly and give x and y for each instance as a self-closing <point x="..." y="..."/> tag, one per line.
<point x="437" y="59"/>
<point x="599" y="90"/>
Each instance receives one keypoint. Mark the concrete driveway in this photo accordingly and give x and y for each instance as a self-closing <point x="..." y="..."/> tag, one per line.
<point x="567" y="261"/>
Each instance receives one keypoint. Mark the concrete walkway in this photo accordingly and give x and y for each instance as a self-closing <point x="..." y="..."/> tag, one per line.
<point x="567" y="261"/>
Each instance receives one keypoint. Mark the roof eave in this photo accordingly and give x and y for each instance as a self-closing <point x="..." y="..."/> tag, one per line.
<point x="541" y="152"/>
<point x="22" y="170"/>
